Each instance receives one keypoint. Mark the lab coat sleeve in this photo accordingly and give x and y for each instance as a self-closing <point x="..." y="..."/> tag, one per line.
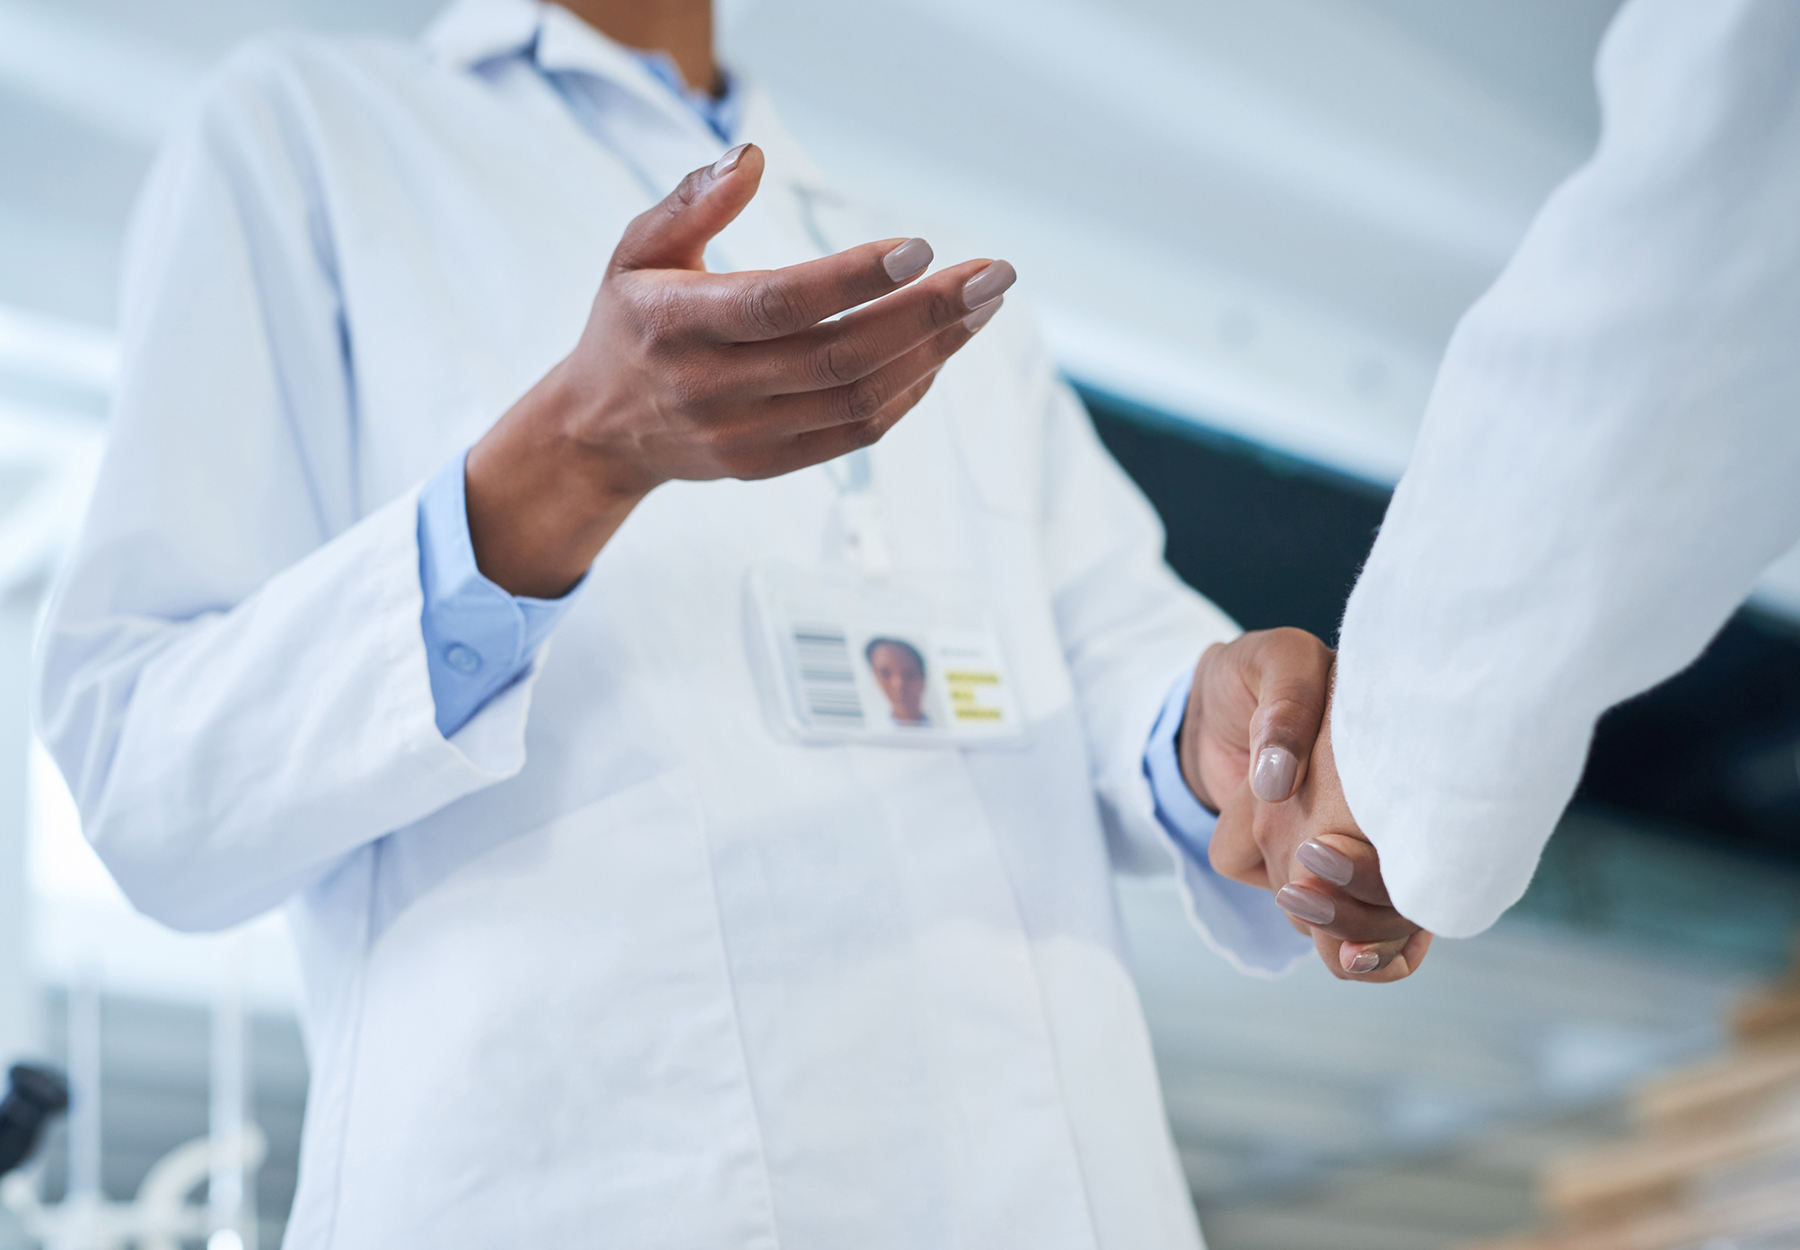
<point x="1129" y="627"/>
<point x="478" y="638"/>
<point x="232" y="676"/>
<point x="1610" y="457"/>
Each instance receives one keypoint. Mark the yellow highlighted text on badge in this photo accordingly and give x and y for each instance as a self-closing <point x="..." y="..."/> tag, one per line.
<point x="977" y="713"/>
<point x="968" y="677"/>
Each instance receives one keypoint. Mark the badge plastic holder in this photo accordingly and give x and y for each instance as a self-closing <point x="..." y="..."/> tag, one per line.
<point x="909" y="660"/>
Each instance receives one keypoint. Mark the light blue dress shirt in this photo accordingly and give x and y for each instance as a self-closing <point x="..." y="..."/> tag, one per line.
<point x="722" y="112"/>
<point x="479" y="639"/>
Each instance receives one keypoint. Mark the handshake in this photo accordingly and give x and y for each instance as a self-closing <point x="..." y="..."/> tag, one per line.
<point x="1256" y="748"/>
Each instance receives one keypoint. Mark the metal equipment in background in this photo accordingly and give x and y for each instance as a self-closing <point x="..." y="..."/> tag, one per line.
<point x="34" y="1096"/>
<point x="201" y="1191"/>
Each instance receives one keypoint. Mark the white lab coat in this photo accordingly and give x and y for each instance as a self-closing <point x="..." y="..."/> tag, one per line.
<point x="612" y="966"/>
<point x="1610" y="458"/>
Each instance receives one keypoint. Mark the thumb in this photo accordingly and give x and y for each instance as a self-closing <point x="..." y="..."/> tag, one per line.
<point x="674" y="234"/>
<point x="1290" y="674"/>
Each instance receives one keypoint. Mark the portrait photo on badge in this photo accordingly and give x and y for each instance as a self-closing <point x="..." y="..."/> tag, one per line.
<point x="899" y="668"/>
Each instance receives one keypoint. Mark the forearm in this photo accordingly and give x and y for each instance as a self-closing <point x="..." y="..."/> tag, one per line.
<point x="1608" y="461"/>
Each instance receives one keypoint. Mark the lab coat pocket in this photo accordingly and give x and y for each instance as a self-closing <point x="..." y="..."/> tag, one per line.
<point x="562" y="1003"/>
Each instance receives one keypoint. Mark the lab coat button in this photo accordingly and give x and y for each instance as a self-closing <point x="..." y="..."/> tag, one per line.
<point x="462" y="659"/>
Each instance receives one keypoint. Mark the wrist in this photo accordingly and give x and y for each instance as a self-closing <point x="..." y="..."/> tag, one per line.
<point x="1192" y="724"/>
<point x="542" y="502"/>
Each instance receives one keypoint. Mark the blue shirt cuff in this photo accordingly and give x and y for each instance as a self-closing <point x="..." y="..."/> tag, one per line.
<point x="1177" y="810"/>
<point x="1242" y="922"/>
<point x="478" y="638"/>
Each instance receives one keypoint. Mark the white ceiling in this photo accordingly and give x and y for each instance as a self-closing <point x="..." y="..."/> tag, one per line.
<point x="1265" y="216"/>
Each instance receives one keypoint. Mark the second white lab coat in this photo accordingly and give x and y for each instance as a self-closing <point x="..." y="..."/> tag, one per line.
<point x="1610" y="458"/>
<point x="613" y="965"/>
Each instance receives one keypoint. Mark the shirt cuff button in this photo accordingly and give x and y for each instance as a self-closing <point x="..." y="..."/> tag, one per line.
<point x="462" y="659"/>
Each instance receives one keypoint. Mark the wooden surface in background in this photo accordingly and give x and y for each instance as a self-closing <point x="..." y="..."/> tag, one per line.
<point x="1715" y="1157"/>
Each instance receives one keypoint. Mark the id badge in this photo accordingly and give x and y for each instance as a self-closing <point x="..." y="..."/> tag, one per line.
<point x="908" y="661"/>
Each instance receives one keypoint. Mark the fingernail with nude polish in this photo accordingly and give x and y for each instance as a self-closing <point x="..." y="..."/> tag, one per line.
<point x="1273" y="778"/>
<point x="907" y="261"/>
<point x="1305" y="905"/>
<point x="1317" y="858"/>
<point x="728" y="162"/>
<point x="988" y="285"/>
<point x="1364" y="962"/>
<point x="981" y="316"/>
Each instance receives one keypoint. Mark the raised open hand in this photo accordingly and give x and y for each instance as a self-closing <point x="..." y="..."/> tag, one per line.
<point x="685" y="374"/>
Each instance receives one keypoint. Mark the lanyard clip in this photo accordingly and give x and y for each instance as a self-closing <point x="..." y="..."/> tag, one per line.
<point x="866" y="529"/>
<point x="865" y="526"/>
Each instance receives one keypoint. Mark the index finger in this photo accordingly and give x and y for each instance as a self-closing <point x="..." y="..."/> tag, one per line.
<point x="1348" y="862"/>
<point x="765" y="304"/>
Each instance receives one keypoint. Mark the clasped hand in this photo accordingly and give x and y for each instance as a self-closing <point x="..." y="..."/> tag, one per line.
<point x="1256" y="748"/>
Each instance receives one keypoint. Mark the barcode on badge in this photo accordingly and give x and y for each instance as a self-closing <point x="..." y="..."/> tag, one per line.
<point x="827" y="677"/>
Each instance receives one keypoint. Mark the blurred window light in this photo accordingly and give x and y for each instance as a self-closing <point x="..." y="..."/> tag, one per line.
<point x="59" y="862"/>
<point x="47" y="467"/>
<point x="82" y="923"/>
<point x="1200" y="101"/>
<point x="51" y="348"/>
<point x="116" y="83"/>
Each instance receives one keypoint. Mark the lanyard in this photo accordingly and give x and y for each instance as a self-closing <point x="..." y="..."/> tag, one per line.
<point x="865" y="524"/>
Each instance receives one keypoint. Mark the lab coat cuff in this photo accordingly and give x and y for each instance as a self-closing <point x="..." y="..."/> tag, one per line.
<point x="1452" y="857"/>
<point x="479" y="639"/>
<point x="1240" y="922"/>
<point x="320" y="678"/>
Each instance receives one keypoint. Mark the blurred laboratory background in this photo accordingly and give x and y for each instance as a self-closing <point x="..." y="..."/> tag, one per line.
<point x="1248" y="230"/>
